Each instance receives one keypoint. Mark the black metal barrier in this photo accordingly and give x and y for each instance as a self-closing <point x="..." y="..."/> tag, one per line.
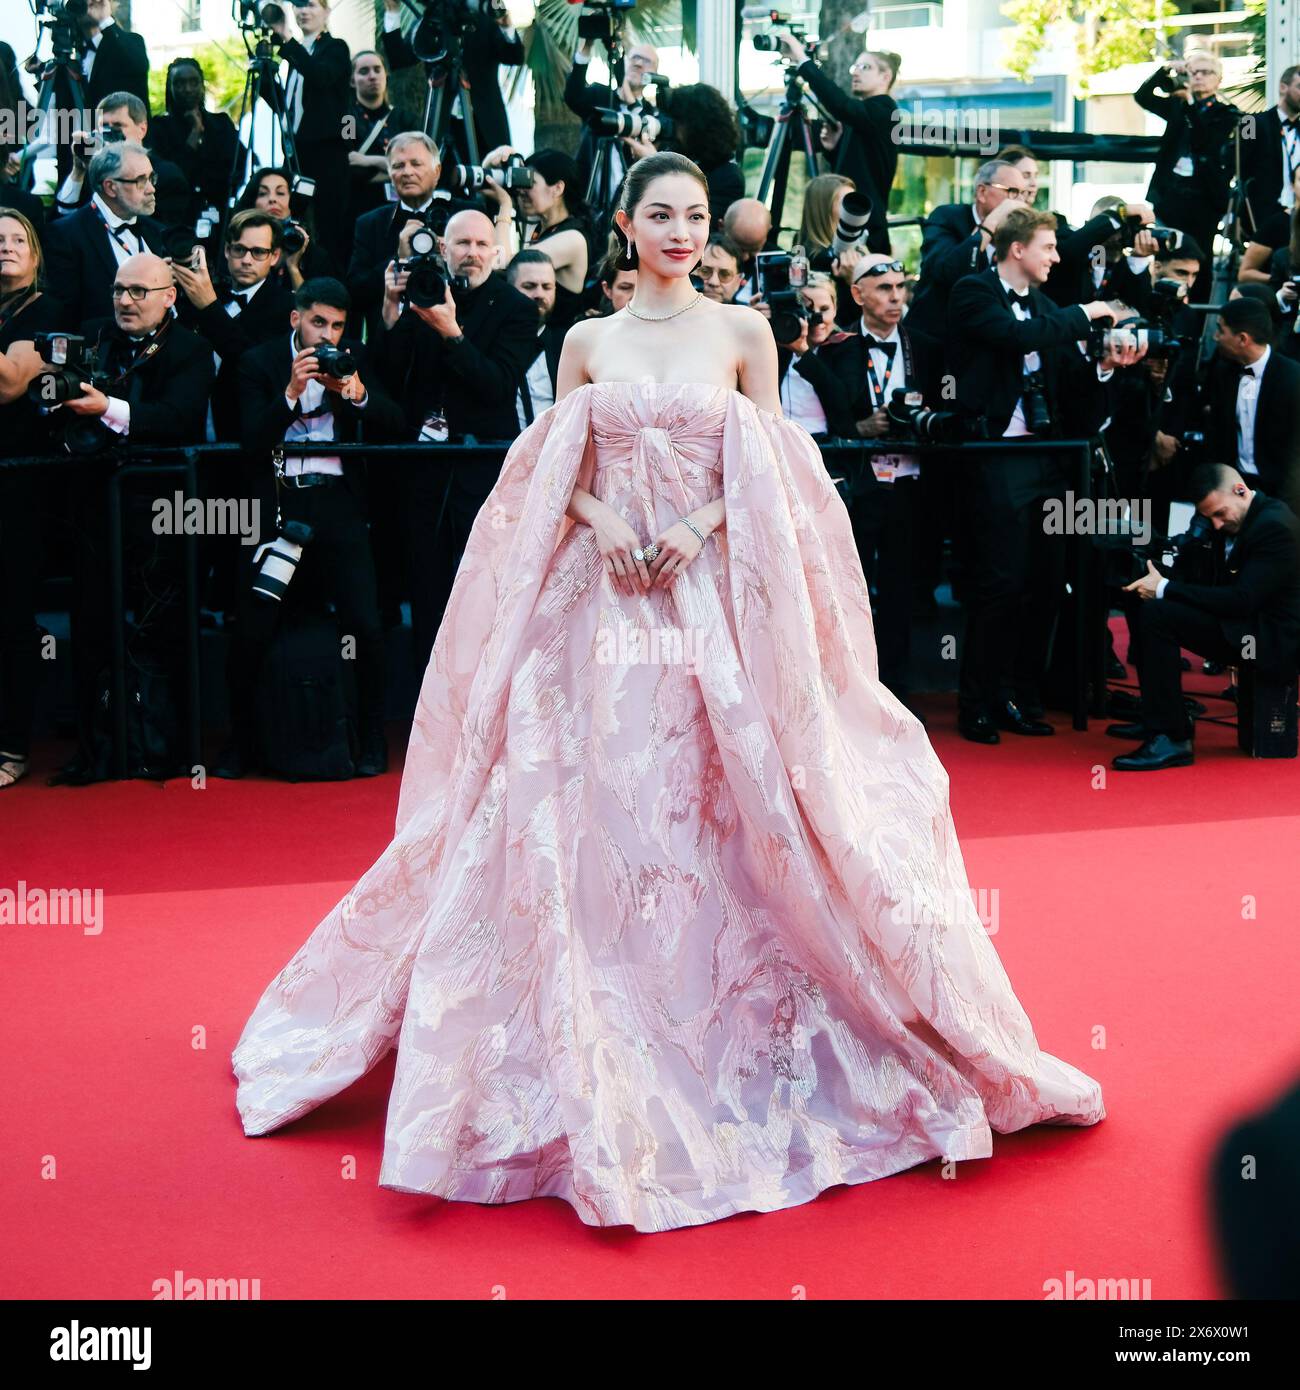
<point x="183" y="463"/>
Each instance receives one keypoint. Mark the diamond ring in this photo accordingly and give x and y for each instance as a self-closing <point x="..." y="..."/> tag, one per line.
<point x="638" y="554"/>
<point x="652" y="553"/>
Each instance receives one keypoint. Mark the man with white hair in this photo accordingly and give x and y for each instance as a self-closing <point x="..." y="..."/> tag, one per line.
<point x="84" y="249"/>
<point x="455" y="362"/>
<point x="1194" y="168"/>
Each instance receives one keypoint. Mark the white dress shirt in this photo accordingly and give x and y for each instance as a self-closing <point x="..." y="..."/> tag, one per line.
<point x="1290" y="158"/>
<point x="537" y="382"/>
<point x="313" y="420"/>
<point x="123" y="239"/>
<point x="889" y="467"/>
<point x="92" y="48"/>
<point x="1247" y="405"/>
<point x="293" y="85"/>
<point x="1033" y="362"/>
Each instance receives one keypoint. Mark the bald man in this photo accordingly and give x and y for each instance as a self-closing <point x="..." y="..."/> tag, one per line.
<point x="748" y="224"/>
<point x="456" y="365"/>
<point x="584" y="98"/>
<point x="159" y="376"/>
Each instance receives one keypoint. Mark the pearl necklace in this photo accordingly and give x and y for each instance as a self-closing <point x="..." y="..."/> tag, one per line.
<point x="659" y="318"/>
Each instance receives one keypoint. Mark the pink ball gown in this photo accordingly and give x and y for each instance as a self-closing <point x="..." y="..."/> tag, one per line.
<point x="675" y="923"/>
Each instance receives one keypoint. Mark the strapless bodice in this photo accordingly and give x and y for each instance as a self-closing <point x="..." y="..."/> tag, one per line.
<point x="655" y="426"/>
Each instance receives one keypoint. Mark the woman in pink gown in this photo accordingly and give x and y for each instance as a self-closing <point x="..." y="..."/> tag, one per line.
<point x="674" y="923"/>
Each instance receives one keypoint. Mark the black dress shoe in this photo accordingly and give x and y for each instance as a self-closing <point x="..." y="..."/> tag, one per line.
<point x="1008" y="716"/>
<point x="374" y="760"/>
<point x="979" y="728"/>
<point x="1134" y="733"/>
<point x="1157" y="752"/>
<point x="231" y="763"/>
<point x="77" y="773"/>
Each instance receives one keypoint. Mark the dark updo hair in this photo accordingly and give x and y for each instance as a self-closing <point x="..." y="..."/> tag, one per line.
<point x="554" y="166"/>
<point x="640" y="176"/>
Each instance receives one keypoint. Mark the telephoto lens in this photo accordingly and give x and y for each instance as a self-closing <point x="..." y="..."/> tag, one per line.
<point x="276" y="561"/>
<point x="855" y="210"/>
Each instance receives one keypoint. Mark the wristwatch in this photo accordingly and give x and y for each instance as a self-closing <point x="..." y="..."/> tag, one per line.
<point x="459" y="338"/>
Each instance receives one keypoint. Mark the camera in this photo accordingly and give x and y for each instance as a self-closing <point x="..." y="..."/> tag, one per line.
<point x="276" y="561"/>
<point x="768" y="43"/>
<point x="855" y="210"/>
<point x="597" y="18"/>
<point x="427" y="273"/>
<point x="780" y="277"/>
<point x="335" y="361"/>
<point x="71" y="361"/>
<point x="1033" y="402"/>
<point x="909" y="419"/>
<point x="292" y="236"/>
<point x="634" y="125"/>
<point x="180" y="243"/>
<point x="1102" y="338"/>
<point x="63" y="19"/>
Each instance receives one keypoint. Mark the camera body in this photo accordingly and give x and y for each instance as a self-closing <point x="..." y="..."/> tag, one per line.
<point x="292" y="236"/>
<point x="909" y="419"/>
<point x="337" y="362"/>
<point x="70" y="360"/>
<point x="427" y="272"/>
<point x="597" y="22"/>
<point x="768" y="43"/>
<point x="780" y="277"/>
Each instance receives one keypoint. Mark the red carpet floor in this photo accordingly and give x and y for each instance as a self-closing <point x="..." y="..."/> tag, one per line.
<point x="1120" y="920"/>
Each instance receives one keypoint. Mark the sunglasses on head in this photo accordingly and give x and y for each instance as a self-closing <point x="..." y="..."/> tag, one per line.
<point x="881" y="268"/>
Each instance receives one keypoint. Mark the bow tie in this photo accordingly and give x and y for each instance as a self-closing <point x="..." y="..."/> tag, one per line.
<point x="1245" y="369"/>
<point x="1292" y="124"/>
<point x="886" y="348"/>
<point x="240" y="297"/>
<point x="1021" y="299"/>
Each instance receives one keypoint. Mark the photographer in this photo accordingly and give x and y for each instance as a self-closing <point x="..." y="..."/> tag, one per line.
<point x="882" y="356"/>
<point x="203" y="144"/>
<point x="84" y="250"/>
<point x="153" y="378"/>
<point x="864" y="145"/>
<point x="115" y="59"/>
<point x="250" y="306"/>
<point x="317" y="95"/>
<point x="823" y="201"/>
<point x="1251" y="607"/>
<point x="810" y="393"/>
<point x="374" y="123"/>
<point x="302" y="256"/>
<point x="747" y="225"/>
<point x="1251" y="401"/>
<point x="1109" y="257"/>
<point x="24" y="432"/>
<point x="561" y="221"/>
<point x="490" y="43"/>
<point x="1020" y="377"/>
<point x="957" y="240"/>
<point x="456" y="365"/>
<point x="1271" y="160"/>
<point x="718" y="272"/>
<point x="617" y="285"/>
<point x="289" y="395"/>
<point x="585" y="98"/>
<point x="533" y="275"/>
<point x="385" y="234"/>
<point x="705" y="130"/>
<point x="121" y="116"/>
<point x="1193" y="172"/>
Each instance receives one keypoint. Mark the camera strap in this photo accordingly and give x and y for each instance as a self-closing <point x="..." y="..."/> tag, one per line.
<point x="364" y="146"/>
<point x="106" y="347"/>
<point x="880" y="390"/>
<point x="15" y="304"/>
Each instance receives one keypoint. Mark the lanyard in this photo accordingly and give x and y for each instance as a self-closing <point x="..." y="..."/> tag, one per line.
<point x="875" y="385"/>
<point x="115" y="233"/>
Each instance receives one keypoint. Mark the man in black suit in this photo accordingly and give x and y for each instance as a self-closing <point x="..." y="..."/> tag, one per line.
<point x="1250" y="610"/>
<point x="372" y="124"/>
<point x="492" y="42"/>
<point x="457" y="367"/>
<point x="532" y="273"/>
<point x="1251" y="402"/>
<point x="865" y="144"/>
<point x="1194" y="167"/>
<point x="1018" y="368"/>
<point x="84" y="249"/>
<point x="127" y="117"/>
<point x="1105" y="258"/>
<point x="584" y="98"/>
<point x="384" y="234"/>
<point x="116" y="60"/>
<point x="957" y="240"/>
<point x="286" y="397"/>
<point x="250" y="305"/>
<point x="317" y="93"/>
<point x="159" y="376"/>
<point x="1271" y="155"/>
<point x="885" y="354"/>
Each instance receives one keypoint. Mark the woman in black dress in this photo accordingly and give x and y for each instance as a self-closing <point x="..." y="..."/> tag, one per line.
<point x="203" y="143"/>
<point x="24" y="312"/>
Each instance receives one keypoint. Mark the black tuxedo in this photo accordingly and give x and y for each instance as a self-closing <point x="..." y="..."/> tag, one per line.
<point x="174" y="199"/>
<point x="1071" y="279"/>
<point x="1014" y="569"/>
<point x="374" y="244"/>
<point x="950" y="249"/>
<point x="1277" y="422"/>
<point x="584" y="98"/>
<point x="849" y="363"/>
<point x="476" y="384"/>
<point x="485" y="49"/>
<point x="80" y="265"/>
<point x="264" y="318"/>
<point x="812" y="367"/>
<point x="1253" y="602"/>
<point x="1263" y="167"/>
<point x="168" y="393"/>
<point x="121" y="65"/>
<point x="551" y="343"/>
<point x="205" y="171"/>
<point x="867" y="151"/>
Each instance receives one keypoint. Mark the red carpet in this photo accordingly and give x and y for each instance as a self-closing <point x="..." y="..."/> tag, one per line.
<point x="1120" y="920"/>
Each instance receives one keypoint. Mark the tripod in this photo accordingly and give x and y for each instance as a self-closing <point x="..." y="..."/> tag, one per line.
<point x="1225" y="266"/>
<point x="60" y="76"/>
<point x="791" y="129"/>
<point x="440" y="51"/>
<point x="262" y="79"/>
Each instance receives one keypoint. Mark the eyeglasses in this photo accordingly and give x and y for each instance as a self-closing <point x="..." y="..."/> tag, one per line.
<point x="861" y="67"/>
<point x="139" y="181"/>
<point x="711" y="272"/>
<point x="1011" y="192"/>
<point x="881" y="268"/>
<point x="136" y="292"/>
<point x="236" y="250"/>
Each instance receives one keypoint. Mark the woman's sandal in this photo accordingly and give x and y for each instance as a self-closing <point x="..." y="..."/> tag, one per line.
<point x="12" y="767"/>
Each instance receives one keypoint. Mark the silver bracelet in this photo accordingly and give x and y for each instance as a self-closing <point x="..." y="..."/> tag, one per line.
<point x="688" y="522"/>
